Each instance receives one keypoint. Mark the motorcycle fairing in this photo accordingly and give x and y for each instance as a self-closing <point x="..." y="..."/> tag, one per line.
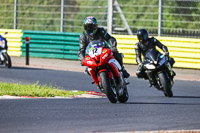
<point x="98" y="57"/>
<point x="96" y="78"/>
<point x="88" y="61"/>
<point x="2" y="44"/>
<point x="95" y="59"/>
<point x="152" y="55"/>
<point x="116" y="63"/>
<point x="105" y="56"/>
<point x="162" y="60"/>
<point x="115" y="66"/>
<point x="1" y="54"/>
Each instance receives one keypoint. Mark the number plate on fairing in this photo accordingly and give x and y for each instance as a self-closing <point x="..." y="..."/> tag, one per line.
<point x="95" y="52"/>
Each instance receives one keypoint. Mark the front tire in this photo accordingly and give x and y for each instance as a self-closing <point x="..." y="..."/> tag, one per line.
<point x="7" y="60"/>
<point x="165" y="85"/>
<point x="124" y="97"/>
<point x="109" y="90"/>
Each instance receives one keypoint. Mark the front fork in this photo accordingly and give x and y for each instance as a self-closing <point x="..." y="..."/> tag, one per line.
<point x="150" y="77"/>
<point x="117" y="69"/>
<point x="169" y="68"/>
<point x="121" y="85"/>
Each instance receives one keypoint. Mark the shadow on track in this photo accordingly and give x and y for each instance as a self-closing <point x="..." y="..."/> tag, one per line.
<point x="162" y="103"/>
<point x="186" y="97"/>
<point x="23" y="68"/>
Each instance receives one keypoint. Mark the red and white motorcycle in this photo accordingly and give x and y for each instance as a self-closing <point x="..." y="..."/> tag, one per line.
<point x="106" y="71"/>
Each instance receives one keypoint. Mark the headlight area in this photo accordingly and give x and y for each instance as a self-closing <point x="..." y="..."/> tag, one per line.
<point x="149" y="66"/>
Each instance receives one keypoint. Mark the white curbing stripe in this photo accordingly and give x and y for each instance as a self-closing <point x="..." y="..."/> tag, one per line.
<point x="159" y="131"/>
<point x="9" y="97"/>
<point x="89" y="94"/>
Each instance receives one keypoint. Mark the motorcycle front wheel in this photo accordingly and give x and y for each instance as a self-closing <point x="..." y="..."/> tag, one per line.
<point x="109" y="90"/>
<point x="124" y="97"/>
<point x="7" y="60"/>
<point x="165" y="84"/>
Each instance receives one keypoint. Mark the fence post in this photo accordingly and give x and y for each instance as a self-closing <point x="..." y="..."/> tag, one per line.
<point x="27" y="50"/>
<point x="15" y="14"/>
<point x="123" y="18"/>
<point x="110" y="16"/>
<point x="62" y="16"/>
<point x="160" y="18"/>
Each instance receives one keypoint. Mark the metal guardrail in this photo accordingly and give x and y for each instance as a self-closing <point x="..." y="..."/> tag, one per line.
<point x="47" y="44"/>
<point x="161" y="17"/>
<point x="44" y="44"/>
<point x="65" y="45"/>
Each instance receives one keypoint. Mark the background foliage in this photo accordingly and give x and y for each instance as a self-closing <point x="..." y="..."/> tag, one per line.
<point x="180" y="17"/>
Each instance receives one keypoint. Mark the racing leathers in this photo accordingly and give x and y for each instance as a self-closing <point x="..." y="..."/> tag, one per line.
<point x="143" y="49"/>
<point x="85" y="39"/>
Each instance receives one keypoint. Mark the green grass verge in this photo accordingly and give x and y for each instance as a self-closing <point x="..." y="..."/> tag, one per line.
<point x="35" y="90"/>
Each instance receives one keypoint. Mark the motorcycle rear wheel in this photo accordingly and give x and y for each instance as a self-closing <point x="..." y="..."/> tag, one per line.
<point x="7" y="60"/>
<point x="109" y="90"/>
<point x="166" y="85"/>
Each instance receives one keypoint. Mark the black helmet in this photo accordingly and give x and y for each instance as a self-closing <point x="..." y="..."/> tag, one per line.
<point x="142" y="35"/>
<point x="90" y="25"/>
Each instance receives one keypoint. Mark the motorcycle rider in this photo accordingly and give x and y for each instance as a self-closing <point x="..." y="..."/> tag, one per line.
<point x="93" y="32"/>
<point x="145" y="43"/>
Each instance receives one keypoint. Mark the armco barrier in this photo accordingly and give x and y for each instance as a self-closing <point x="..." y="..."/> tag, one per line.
<point x="64" y="45"/>
<point x="14" y="41"/>
<point x="49" y="44"/>
<point x="186" y="52"/>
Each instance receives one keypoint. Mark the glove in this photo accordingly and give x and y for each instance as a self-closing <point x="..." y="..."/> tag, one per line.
<point x="140" y="65"/>
<point x="114" y="49"/>
<point x="167" y="53"/>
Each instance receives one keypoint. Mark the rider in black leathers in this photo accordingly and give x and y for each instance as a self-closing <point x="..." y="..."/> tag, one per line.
<point x="145" y="43"/>
<point x="93" y="32"/>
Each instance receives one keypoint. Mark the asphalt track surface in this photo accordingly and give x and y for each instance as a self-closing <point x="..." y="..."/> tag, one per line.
<point x="146" y="110"/>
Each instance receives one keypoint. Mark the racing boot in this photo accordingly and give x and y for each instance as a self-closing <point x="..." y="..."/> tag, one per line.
<point x="125" y="73"/>
<point x="126" y="82"/>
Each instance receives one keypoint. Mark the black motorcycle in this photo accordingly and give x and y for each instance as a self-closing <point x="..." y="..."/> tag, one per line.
<point x="159" y="71"/>
<point x="4" y="57"/>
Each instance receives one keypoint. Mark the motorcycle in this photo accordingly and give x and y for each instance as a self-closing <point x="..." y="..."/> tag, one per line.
<point x="106" y="71"/>
<point x="159" y="71"/>
<point x="4" y="57"/>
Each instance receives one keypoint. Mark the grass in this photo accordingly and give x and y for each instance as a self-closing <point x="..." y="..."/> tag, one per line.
<point x="35" y="90"/>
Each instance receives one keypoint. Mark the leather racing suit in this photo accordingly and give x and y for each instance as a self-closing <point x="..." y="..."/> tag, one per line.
<point x="143" y="49"/>
<point x="85" y="39"/>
